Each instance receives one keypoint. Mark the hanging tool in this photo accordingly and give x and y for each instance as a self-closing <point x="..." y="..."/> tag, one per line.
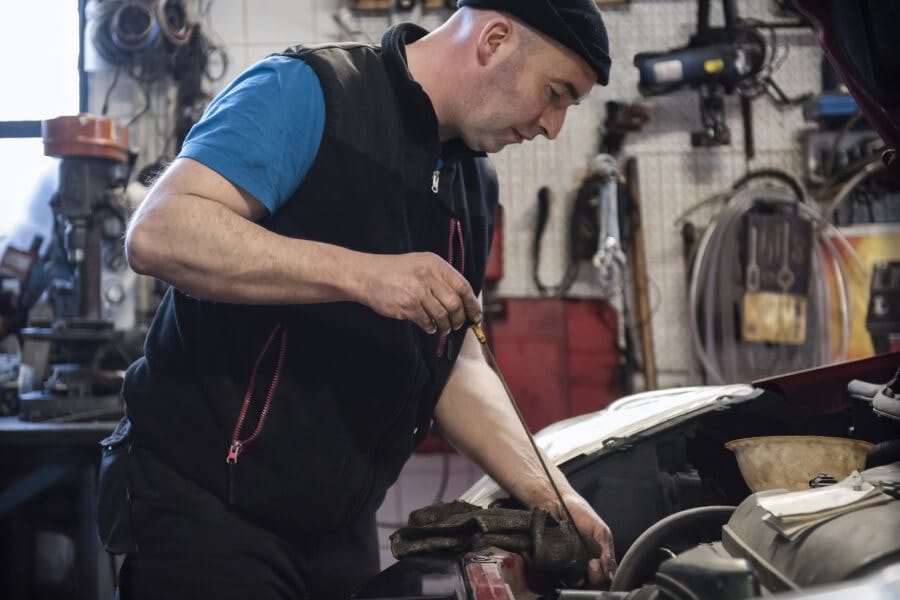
<point x="639" y="275"/>
<point x="621" y="119"/>
<point x="586" y="241"/>
<point x="609" y="259"/>
<point x="718" y="61"/>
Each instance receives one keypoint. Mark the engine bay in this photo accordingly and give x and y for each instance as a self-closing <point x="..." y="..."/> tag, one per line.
<point x="686" y="523"/>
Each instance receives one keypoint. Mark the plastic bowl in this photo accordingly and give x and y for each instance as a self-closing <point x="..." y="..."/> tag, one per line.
<point x="790" y="461"/>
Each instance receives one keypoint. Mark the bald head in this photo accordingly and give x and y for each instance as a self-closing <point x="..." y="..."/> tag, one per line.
<point x="494" y="80"/>
<point x="470" y="25"/>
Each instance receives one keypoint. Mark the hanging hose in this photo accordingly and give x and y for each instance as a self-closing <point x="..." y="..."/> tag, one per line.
<point x="870" y="167"/>
<point x="716" y="291"/>
<point x="174" y="22"/>
<point x="126" y="33"/>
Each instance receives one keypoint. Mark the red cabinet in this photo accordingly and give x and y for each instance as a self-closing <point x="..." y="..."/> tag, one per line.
<point x="559" y="357"/>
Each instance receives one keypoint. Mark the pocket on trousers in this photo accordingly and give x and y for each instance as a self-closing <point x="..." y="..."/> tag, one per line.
<point x="114" y="521"/>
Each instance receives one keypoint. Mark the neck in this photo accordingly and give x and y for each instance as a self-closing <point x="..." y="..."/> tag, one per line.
<point x="428" y="65"/>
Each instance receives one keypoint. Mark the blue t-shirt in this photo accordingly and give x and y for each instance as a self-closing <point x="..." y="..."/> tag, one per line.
<point x="263" y="131"/>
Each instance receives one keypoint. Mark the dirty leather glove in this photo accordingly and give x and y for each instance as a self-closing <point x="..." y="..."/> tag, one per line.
<point x="550" y="547"/>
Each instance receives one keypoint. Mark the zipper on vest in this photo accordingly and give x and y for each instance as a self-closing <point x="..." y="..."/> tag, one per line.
<point x="435" y="180"/>
<point x="237" y="445"/>
<point x="456" y="235"/>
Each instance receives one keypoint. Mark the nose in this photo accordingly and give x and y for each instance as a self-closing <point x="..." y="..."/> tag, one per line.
<point x="551" y="121"/>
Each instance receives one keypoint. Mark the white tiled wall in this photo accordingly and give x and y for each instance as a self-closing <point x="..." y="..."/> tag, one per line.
<point x="673" y="175"/>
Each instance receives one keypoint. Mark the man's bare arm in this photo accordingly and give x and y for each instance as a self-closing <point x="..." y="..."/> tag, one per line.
<point x="196" y="231"/>
<point x="476" y="417"/>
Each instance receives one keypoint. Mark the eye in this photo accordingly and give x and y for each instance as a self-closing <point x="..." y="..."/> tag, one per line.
<point x="554" y="95"/>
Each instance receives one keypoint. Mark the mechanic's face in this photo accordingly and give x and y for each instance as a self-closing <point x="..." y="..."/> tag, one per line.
<point x="525" y="95"/>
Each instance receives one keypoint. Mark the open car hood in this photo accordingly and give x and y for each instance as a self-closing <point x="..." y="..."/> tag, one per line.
<point x="621" y="420"/>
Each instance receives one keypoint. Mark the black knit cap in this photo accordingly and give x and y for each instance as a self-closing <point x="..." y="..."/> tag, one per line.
<point x="576" y="24"/>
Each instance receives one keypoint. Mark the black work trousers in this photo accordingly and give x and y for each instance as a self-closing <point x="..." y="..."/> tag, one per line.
<point x="181" y="541"/>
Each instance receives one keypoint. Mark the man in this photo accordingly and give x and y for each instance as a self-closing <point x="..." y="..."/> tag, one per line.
<point x="325" y="230"/>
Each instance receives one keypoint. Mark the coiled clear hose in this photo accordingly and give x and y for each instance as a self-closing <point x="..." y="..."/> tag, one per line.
<point x="716" y="290"/>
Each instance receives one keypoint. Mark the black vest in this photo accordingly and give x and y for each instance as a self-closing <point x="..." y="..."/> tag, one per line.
<point x="326" y="401"/>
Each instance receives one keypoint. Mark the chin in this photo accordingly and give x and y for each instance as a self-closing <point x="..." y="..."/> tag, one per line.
<point x="481" y="144"/>
<point x="492" y="146"/>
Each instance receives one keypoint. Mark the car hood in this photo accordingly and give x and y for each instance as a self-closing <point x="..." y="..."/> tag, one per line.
<point x="624" y="418"/>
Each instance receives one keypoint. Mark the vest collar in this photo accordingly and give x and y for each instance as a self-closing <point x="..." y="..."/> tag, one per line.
<point x="413" y="99"/>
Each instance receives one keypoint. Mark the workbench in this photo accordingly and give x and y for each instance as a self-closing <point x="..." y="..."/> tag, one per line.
<point x="48" y="474"/>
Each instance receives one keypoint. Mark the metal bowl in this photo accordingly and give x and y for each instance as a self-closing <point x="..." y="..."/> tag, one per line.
<point x="790" y="461"/>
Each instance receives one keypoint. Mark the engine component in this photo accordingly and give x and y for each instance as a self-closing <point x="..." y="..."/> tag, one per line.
<point x="751" y="557"/>
<point x="820" y="556"/>
<point x="885" y="399"/>
<point x="706" y="571"/>
<point x="683" y="529"/>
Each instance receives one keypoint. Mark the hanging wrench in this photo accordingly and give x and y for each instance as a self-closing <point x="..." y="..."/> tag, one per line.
<point x="752" y="264"/>
<point x="609" y="259"/>
<point x="786" y="275"/>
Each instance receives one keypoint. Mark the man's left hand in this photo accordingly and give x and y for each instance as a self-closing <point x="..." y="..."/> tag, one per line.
<point x="589" y="523"/>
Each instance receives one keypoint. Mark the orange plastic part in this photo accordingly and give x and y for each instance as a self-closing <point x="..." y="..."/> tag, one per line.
<point x="85" y="135"/>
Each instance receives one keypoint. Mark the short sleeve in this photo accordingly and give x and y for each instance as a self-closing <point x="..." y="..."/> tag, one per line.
<point x="263" y="131"/>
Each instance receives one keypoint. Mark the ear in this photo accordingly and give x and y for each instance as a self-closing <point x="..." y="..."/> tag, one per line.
<point x="495" y="40"/>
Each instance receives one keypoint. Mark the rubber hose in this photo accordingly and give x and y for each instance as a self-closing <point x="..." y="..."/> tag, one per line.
<point x="724" y="358"/>
<point x="697" y="522"/>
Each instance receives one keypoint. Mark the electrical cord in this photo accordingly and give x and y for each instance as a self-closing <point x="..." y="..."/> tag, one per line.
<point x="872" y="165"/>
<point x="827" y="170"/>
<point x="540" y="223"/>
<point x="724" y="197"/>
<point x="776" y="174"/>
<point x="109" y="92"/>
<point x="763" y="82"/>
<point x="145" y="87"/>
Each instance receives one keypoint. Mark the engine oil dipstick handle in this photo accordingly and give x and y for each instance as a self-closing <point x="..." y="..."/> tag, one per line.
<point x="482" y="339"/>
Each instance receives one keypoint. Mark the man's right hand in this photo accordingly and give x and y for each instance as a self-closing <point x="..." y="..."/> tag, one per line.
<point x="420" y="287"/>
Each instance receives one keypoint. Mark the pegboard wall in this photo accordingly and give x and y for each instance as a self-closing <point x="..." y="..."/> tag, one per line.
<point x="673" y="175"/>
